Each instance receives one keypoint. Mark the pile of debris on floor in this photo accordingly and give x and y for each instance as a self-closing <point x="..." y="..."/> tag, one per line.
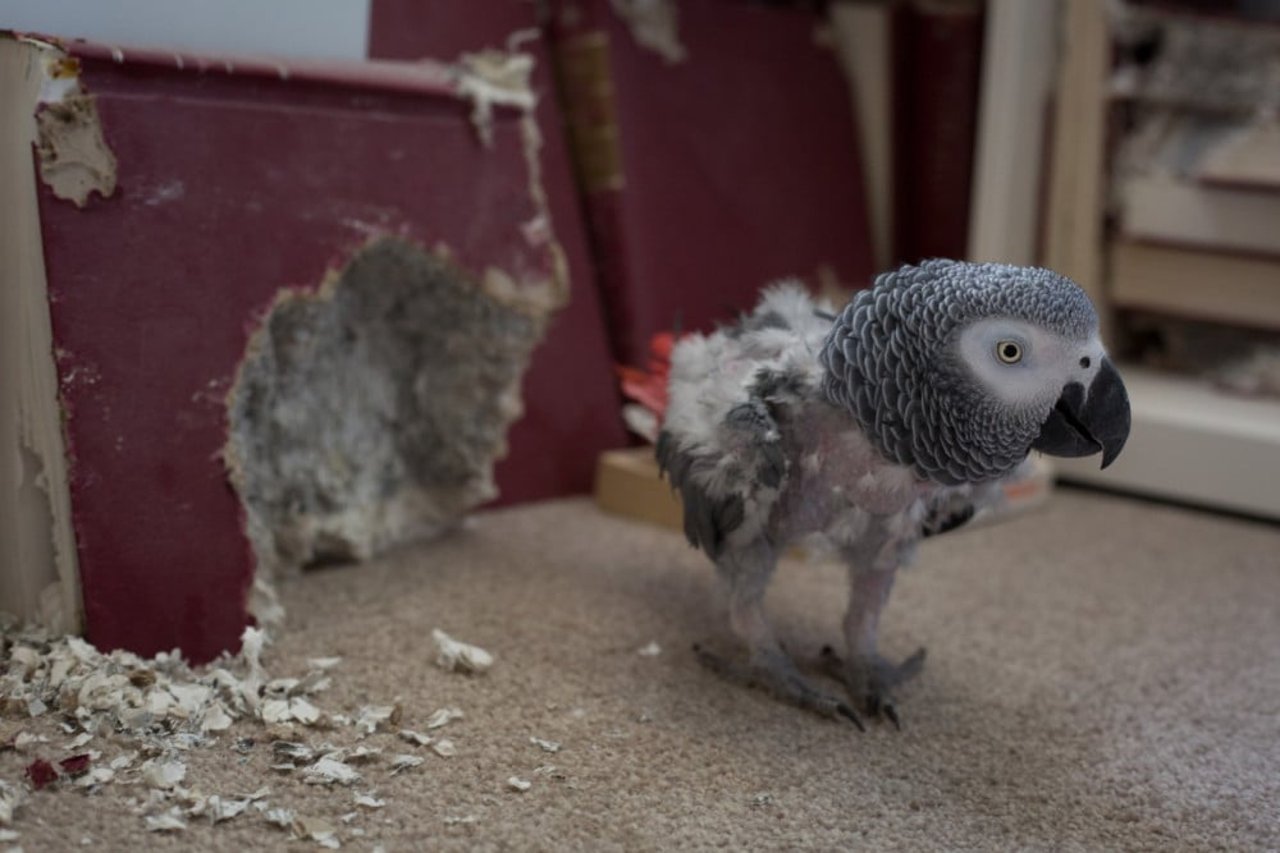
<point x="153" y="712"/>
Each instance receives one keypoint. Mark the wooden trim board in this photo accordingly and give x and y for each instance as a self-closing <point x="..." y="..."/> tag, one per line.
<point x="1202" y="285"/>
<point x="628" y="484"/>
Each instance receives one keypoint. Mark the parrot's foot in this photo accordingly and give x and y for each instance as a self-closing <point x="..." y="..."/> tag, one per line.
<point x="870" y="681"/>
<point x="777" y="674"/>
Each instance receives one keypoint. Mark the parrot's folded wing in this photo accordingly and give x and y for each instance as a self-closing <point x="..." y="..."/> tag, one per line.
<point x="720" y="444"/>
<point x="732" y="486"/>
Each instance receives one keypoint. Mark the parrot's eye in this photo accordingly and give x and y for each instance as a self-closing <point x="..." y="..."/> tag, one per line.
<point x="1010" y="352"/>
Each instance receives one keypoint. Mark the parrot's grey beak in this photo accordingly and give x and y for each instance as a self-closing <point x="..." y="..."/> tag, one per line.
<point x="1082" y="424"/>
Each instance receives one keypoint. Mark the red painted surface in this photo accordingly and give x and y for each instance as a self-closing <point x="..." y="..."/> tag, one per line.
<point x="740" y="166"/>
<point x="231" y="187"/>
<point x="572" y="403"/>
<point x="937" y="75"/>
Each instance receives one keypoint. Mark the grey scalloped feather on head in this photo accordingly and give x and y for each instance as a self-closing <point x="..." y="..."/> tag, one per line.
<point x="913" y="360"/>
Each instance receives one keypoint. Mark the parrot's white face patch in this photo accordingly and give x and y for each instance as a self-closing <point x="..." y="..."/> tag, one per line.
<point x="1025" y="365"/>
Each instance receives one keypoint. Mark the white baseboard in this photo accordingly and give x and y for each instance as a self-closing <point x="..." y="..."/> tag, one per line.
<point x="1193" y="443"/>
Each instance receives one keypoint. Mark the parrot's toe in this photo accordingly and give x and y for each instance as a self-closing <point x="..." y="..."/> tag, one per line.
<point x="869" y="682"/>
<point x="776" y="673"/>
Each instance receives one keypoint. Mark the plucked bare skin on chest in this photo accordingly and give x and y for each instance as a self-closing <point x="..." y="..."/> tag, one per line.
<point x="839" y="483"/>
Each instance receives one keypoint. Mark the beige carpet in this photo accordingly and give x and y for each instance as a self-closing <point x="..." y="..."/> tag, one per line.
<point x="1102" y="674"/>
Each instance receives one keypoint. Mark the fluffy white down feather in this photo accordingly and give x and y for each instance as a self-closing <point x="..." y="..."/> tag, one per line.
<point x="710" y="373"/>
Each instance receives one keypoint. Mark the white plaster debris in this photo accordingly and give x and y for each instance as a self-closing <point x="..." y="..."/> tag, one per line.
<point x="371" y="717"/>
<point x="293" y="751"/>
<point x="216" y="719"/>
<point x="303" y="711"/>
<point x="168" y="821"/>
<point x="79" y="741"/>
<point x="96" y="776"/>
<point x="160" y="708"/>
<point x="369" y="801"/>
<point x="190" y="699"/>
<point x="163" y="774"/>
<point x="281" y="687"/>
<point x="328" y="771"/>
<point x="442" y="716"/>
<point x="650" y="651"/>
<point x="401" y="763"/>
<point x="359" y="754"/>
<point x="274" y="711"/>
<point x="22" y="740"/>
<point x="418" y="738"/>
<point x="160" y="701"/>
<point x="456" y="656"/>
<point x="515" y="783"/>
<point x="545" y="745"/>
<point x="318" y="830"/>
<point x="219" y="809"/>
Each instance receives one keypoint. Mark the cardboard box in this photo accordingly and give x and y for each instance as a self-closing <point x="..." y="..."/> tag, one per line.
<point x="628" y="484"/>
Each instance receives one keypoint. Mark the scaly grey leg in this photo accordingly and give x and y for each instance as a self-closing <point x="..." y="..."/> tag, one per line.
<point x="747" y="571"/>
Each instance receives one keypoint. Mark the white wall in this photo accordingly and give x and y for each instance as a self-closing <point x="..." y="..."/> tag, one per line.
<point x="313" y="28"/>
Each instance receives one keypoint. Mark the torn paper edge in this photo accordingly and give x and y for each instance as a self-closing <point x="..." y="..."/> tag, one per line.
<point x="490" y="78"/>
<point x="75" y="160"/>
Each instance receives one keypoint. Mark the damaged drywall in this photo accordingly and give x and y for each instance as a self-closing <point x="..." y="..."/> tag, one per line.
<point x="492" y="78"/>
<point x="371" y="412"/>
<point x="74" y="158"/>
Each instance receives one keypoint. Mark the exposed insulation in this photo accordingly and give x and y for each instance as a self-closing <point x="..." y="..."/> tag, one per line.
<point x="371" y="411"/>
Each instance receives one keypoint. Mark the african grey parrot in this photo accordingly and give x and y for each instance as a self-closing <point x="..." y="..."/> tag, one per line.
<point x="870" y="430"/>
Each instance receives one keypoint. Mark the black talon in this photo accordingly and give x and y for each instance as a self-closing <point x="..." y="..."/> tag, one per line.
<point x="873" y="695"/>
<point x="911" y="667"/>
<point x="848" y="713"/>
<point x="777" y="675"/>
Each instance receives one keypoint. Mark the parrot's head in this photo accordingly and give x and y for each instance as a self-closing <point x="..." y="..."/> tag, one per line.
<point x="959" y="370"/>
